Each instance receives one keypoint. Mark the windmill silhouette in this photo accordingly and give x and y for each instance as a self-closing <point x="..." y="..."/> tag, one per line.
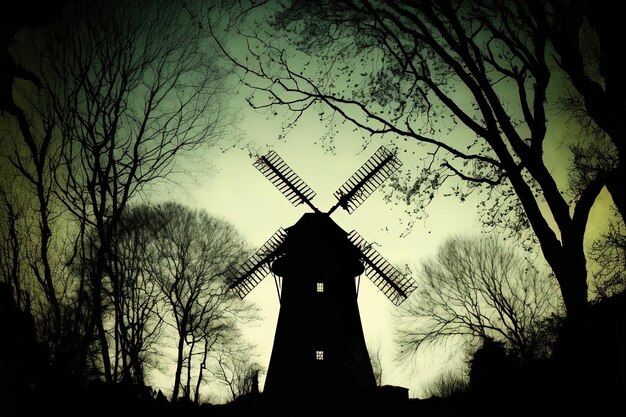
<point x="319" y="349"/>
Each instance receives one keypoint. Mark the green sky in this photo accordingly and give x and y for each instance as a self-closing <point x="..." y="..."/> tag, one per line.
<point x="227" y="185"/>
<point x="236" y="191"/>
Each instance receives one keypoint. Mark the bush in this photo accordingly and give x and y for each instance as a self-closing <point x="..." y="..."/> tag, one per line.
<point x="447" y="385"/>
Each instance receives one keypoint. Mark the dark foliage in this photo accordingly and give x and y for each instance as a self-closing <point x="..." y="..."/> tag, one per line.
<point x="586" y="375"/>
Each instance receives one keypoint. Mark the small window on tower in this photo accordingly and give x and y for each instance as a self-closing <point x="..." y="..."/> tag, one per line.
<point x="320" y="287"/>
<point x="319" y="355"/>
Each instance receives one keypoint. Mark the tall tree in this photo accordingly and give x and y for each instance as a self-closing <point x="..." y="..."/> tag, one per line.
<point x="136" y="298"/>
<point x="194" y="249"/>
<point x="11" y="241"/>
<point x="586" y="37"/>
<point x="33" y="154"/>
<point x="477" y="289"/>
<point x="131" y="87"/>
<point x="468" y="81"/>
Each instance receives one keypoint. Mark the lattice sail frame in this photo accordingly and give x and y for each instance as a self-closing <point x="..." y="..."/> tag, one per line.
<point x="245" y="277"/>
<point x="366" y="180"/>
<point x="285" y="179"/>
<point x="395" y="285"/>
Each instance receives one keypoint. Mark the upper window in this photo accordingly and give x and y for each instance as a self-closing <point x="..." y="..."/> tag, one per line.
<point x="320" y="287"/>
<point x="319" y="355"/>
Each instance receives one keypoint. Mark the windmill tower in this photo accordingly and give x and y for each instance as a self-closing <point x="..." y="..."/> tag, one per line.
<point x="319" y="350"/>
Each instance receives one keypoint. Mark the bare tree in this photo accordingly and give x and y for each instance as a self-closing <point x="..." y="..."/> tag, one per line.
<point x="213" y="334"/>
<point x="194" y="249"/>
<point x="467" y="81"/>
<point x="136" y="298"/>
<point x="11" y="256"/>
<point x="609" y="254"/>
<point x="131" y="87"/>
<point x="448" y="384"/>
<point x="33" y="154"/>
<point x="477" y="288"/>
<point x="76" y="353"/>
<point x="43" y="247"/>
<point x="218" y="335"/>
<point x="584" y="37"/>
<point x="237" y="372"/>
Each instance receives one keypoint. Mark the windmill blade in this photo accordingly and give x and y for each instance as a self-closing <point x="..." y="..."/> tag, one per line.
<point x="288" y="182"/>
<point x="366" y="180"/>
<point x="244" y="278"/>
<point x="395" y="285"/>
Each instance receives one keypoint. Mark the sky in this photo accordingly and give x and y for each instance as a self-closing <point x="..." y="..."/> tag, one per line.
<point x="227" y="185"/>
<point x="234" y="190"/>
<point x="237" y="192"/>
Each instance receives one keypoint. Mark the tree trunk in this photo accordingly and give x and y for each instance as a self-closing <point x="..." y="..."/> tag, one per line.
<point x="116" y="358"/>
<point x="82" y="321"/>
<point x="179" y="367"/>
<point x="121" y="337"/>
<point x="14" y="247"/>
<point x="47" y="271"/>
<point x="200" y="372"/>
<point x="570" y="271"/>
<point x="135" y="365"/>
<point x="38" y="154"/>
<point x="188" y="383"/>
<point x="102" y="337"/>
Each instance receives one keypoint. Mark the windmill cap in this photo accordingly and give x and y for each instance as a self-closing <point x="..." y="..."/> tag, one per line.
<point x="317" y="237"/>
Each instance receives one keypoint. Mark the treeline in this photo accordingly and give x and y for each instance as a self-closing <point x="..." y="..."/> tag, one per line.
<point x="500" y="313"/>
<point x="101" y="102"/>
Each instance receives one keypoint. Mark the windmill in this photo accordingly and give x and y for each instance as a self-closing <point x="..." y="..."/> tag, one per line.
<point x="319" y="349"/>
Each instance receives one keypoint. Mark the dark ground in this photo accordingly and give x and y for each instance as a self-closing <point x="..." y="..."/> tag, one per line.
<point x="586" y="376"/>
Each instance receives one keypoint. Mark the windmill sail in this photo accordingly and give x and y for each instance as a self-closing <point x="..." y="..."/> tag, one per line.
<point x="366" y="180"/>
<point x="395" y="285"/>
<point x="244" y="278"/>
<point x="288" y="182"/>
